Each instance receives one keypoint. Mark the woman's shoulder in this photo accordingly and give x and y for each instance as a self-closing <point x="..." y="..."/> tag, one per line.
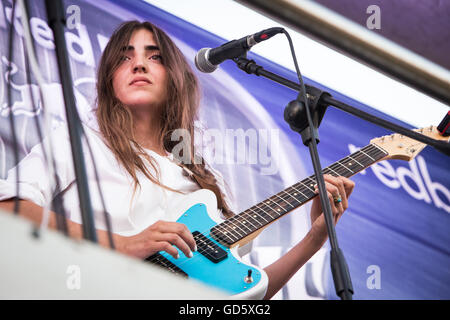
<point x="58" y="138"/>
<point x="60" y="132"/>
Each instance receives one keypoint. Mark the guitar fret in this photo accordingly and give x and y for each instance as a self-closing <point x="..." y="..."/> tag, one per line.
<point x="248" y="224"/>
<point x="329" y="168"/>
<point x="268" y="204"/>
<point x="243" y="222"/>
<point x="310" y="189"/>
<point x="346" y="167"/>
<point x="356" y="161"/>
<point x="219" y="235"/>
<point x="376" y="151"/>
<point x="289" y="194"/>
<point x="236" y="226"/>
<point x="367" y="155"/>
<point x="379" y="148"/>
<point x="249" y="215"/>
<point x="285" y="201"/>
<point x="364" y="159"/>
<point x="260" y="215"/>
<point x="226" y="231"/>
<point x="276" y="204"/>
<point x="299" y="191"/>
<point x="241" y="219"/>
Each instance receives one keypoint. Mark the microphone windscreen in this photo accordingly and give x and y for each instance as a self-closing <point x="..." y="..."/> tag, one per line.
<point x="202" y="63"/>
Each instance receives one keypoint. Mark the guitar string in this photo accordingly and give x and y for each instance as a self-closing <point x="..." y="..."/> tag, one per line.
<point x="280" y="195"/>
<point x="301" y="182"/>
<point x="356" y="154"/>
<point x="310" y="178"/>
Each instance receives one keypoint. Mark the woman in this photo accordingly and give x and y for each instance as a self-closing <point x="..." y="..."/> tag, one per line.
<point x="146" y="90"/>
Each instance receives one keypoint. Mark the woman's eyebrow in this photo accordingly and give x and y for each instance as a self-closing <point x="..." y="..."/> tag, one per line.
<point x="148" y="48"/>
<point x="152" y="48"/>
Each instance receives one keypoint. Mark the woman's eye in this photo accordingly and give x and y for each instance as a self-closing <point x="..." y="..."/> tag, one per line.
<point x="125" y="58"/>
<point x="156" y="57"/>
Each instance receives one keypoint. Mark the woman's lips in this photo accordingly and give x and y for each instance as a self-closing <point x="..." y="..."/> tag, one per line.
<point x="140" y="81"/>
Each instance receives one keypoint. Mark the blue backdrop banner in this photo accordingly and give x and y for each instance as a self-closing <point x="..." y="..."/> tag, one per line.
<point x="395" y="233"/>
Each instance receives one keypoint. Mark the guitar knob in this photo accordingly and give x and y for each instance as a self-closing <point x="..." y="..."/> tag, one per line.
<point x="248" y="278"/>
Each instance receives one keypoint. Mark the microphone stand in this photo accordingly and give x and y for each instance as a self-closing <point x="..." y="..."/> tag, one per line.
<point x="56" y="20"/>
<point x="304" y="116"/>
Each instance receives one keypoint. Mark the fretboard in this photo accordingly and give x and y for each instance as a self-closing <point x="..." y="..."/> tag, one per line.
<point x="260" y="215"/>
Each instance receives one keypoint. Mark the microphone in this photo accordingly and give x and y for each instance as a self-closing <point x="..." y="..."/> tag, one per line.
<point x="207" y="59"/>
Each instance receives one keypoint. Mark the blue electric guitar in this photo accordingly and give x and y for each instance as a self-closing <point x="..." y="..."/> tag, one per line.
<point x="217" y="262"/>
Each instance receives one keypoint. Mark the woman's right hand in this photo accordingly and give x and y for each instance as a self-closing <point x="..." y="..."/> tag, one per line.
<point x="160" y="236"/>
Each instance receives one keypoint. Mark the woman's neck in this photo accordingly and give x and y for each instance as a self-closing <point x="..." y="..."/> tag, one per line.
<point x="147" y="133"/>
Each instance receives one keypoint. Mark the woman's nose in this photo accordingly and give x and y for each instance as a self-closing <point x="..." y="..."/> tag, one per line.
<point x="140" y="65"/>
<point x="139" y="68"/>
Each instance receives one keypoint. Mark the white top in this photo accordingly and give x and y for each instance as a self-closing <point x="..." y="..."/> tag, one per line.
<point x="129" y="214"/>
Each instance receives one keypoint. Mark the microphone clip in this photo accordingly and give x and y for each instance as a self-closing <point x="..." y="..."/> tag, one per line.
<point x="249" y="66"/>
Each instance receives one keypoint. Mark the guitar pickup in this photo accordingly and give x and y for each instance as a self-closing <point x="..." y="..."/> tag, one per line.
<point x="208" y="248"/>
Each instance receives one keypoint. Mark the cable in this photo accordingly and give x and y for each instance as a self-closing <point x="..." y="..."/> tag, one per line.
<point x="47" y="144"/>
<point x="10" y="115"/>
<point x="302" y="94"/>
<point x="57" y="204"/>
<point x="97" y="180"/>
<point x="339" y="268"/>
<point x="52" y="165"/>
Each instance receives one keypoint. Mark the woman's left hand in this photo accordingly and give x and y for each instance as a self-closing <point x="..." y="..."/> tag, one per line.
<point x="338" y="190"/>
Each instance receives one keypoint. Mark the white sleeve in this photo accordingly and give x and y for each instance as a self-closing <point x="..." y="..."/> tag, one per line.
<point x="34" y="179"/>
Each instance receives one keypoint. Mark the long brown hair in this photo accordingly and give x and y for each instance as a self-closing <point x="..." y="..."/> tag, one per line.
<point x="179" y="112"/>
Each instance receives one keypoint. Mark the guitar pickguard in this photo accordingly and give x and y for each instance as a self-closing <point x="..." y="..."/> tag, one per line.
<point x="228" y="274"/>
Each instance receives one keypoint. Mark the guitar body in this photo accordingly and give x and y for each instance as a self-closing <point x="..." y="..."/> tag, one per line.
<point x="229" y="275"/>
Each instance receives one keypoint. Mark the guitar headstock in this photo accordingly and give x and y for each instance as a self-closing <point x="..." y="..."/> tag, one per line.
<point x="405" y="148"/>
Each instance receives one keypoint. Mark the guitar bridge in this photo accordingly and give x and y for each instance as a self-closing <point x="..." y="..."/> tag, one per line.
<point x="208" y="248"/>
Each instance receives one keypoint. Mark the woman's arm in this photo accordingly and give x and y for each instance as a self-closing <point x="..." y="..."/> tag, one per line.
<point x="34" y="212"/>
<point x="161" y="236"/>
<point x="284" y="268"/>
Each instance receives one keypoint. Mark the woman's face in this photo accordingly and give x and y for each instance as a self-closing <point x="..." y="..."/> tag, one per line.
<point x="140" y="82"/>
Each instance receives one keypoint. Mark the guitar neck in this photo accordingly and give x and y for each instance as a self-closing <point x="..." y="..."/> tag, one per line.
<point x="241" y="226"/>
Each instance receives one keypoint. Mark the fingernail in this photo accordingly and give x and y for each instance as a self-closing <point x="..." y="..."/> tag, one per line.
<point x="195" y="248"/>
<point x="191" y="254"/>
<point x="178" y="256"/>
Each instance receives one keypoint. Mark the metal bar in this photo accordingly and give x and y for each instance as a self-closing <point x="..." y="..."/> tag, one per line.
<point x="367" y="47"/>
